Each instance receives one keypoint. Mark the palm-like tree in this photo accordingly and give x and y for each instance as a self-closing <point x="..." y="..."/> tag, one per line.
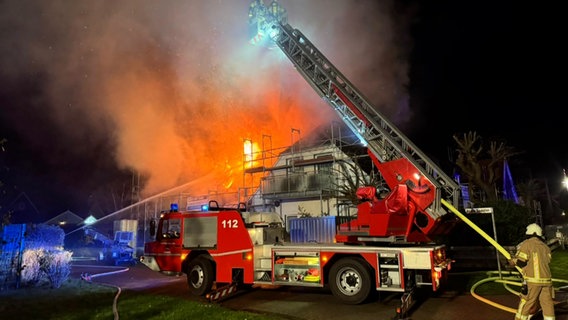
<point x="481" y="165"/>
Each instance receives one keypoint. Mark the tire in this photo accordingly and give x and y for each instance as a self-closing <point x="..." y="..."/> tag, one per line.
<point x="200" y="276"/>
<point x="350" y="280"/>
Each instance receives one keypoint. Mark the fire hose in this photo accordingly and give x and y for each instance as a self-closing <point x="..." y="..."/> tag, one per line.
<point x="87" y="277"/>
<point x="514" y="277"/>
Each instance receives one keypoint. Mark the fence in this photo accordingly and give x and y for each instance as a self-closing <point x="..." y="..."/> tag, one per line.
<point x="11" y="252"/>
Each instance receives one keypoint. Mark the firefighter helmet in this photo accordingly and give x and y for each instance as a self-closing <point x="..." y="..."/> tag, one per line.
<point x="534" y="228"/>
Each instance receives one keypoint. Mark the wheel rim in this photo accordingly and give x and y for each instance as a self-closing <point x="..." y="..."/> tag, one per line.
<point x="196" y="276"/>
<point x="349" y="281"/>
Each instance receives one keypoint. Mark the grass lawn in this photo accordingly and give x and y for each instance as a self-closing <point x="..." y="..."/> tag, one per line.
<point x="77" y="299"/>
<point x="80" y="300"/>
<point x="464" y="281"/>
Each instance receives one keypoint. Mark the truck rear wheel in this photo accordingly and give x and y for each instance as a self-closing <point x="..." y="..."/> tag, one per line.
<point x="200" y="276"/>
<point x="350" y="280"/>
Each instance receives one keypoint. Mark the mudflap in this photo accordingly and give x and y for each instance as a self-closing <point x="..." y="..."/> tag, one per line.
<point x="222" y="293"/>
<point x="406" y="303"/>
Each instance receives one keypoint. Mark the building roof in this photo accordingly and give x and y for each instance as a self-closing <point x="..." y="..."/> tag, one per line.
<point x="22" y="210"/>
<point x="65" y="218"/>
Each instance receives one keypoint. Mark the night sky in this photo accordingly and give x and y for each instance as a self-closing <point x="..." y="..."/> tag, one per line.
<point x="493" y="67"/>
<point x="92" y="91"/>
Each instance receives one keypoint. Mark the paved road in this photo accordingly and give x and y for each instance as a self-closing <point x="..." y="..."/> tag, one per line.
<point x="314" y="304"/>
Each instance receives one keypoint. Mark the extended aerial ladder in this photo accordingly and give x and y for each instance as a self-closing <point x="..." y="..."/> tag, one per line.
<point x="412" y="211"/>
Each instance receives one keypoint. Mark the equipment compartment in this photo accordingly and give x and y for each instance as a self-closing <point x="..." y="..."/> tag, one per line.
<point x="297" y="268"/>
<point x="390" y="270"/>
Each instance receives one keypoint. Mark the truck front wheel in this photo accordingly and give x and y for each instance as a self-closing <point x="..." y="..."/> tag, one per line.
<point x="350" y="280"/>
<point x="200" y="276"/>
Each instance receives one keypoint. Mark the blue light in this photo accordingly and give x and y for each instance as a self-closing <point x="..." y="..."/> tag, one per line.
<point x="204" y="207"/>
<point x="174" y="207"/>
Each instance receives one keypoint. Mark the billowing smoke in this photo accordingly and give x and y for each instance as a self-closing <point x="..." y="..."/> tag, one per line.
<point x="171" y="88"/>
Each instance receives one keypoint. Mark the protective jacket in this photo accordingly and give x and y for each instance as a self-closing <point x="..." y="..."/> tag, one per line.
<point x="533" y="255"/>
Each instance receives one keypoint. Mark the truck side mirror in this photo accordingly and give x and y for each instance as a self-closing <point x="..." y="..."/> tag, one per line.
<point x="152" y="227"/>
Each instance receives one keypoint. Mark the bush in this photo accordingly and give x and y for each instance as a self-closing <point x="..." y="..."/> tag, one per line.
<point x="44" y="236"/>
<point x="41" y="266"/>
<point x="44" y="261"/>
<point x="510" y="222"/>
<point x="56" y="267"/>
<point x="31" y="274"/>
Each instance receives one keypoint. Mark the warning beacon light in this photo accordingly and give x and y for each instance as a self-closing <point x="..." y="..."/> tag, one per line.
<point x="174" y="207"/>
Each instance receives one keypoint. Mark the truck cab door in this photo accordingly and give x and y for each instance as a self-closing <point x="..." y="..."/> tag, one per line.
<point x="169" y="245"/>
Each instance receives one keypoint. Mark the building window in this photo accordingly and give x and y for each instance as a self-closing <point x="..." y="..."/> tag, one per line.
<point x="324" y="168"/>
<point x="292" y="168"/>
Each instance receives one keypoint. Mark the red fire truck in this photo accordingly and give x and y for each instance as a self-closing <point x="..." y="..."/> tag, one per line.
<point x="388" y="246"/>
<point x="230" y="247"/>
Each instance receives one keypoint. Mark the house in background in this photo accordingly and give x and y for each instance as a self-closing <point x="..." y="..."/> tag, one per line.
<point x="314" y="177"/>
<point x="66" y="220"/>
<point x="21" y="210"/>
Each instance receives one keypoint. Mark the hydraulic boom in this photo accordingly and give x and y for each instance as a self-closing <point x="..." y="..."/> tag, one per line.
<point x="413" y="210"/>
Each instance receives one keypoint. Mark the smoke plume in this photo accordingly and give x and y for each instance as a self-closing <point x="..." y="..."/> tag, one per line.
<point x="170" y="89"/>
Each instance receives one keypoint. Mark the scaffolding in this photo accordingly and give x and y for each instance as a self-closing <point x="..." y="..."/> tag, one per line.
<point x="271" y="178"/>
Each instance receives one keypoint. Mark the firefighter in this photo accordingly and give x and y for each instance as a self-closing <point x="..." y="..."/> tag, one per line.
<point x="533" y="258"/>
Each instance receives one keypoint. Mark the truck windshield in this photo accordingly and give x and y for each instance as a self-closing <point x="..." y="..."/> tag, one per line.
<point x="171" y="229"/>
